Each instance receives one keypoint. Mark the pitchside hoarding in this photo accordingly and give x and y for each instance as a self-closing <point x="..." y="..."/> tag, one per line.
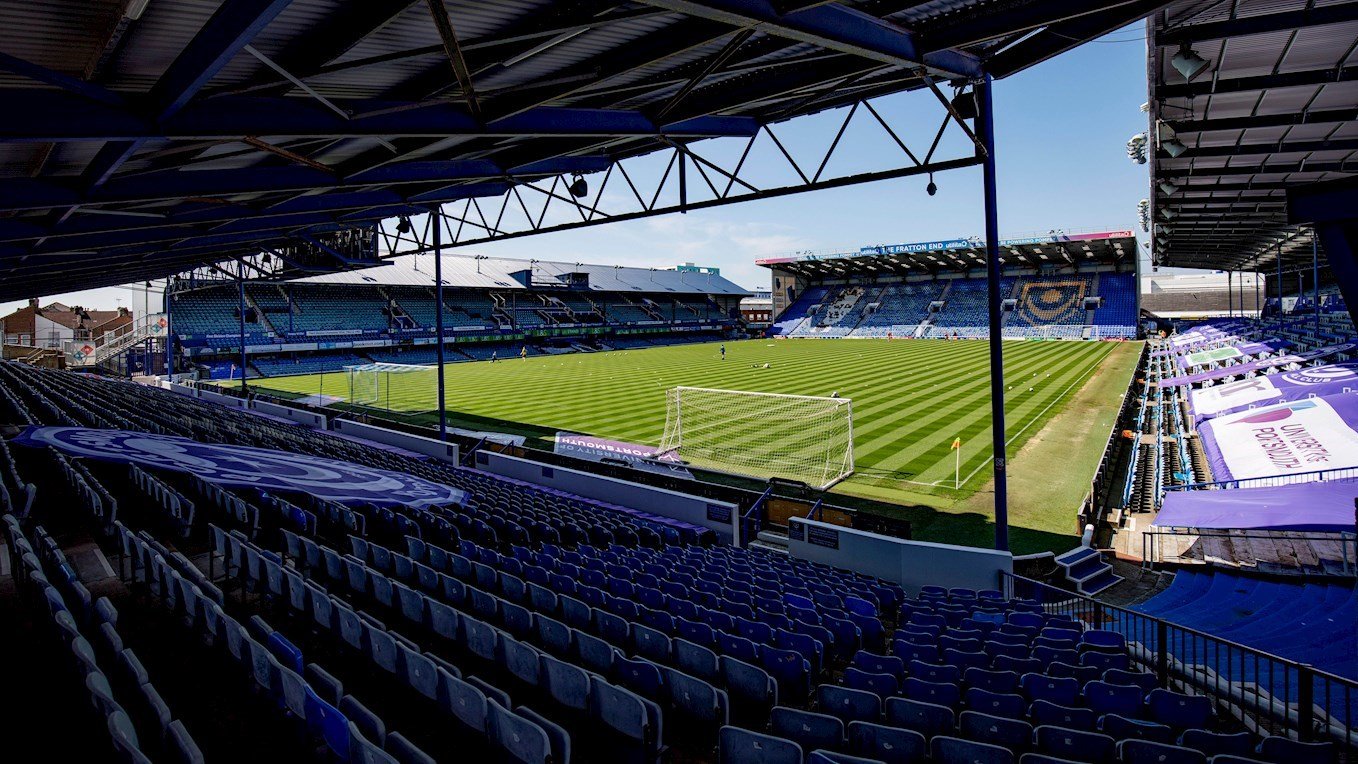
<point x="1331" y="379"/>
<point x="1283" y="439"/>
<point x="636" y="456"/>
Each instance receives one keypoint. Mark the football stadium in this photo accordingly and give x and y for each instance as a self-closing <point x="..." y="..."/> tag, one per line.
<point x="354" y="407"/>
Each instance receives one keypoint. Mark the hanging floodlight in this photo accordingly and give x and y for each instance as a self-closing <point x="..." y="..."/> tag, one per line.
<point x="1188" y="63"/>
<point x="1168" y="188"/>
<point x="579" y="188"/>
<point x="932" y="188"/>
<point x="1174" y="147"/>
<point x="403" y="225"/>
<point x="1136" y="148"/>
<point x="1167" y="213"/>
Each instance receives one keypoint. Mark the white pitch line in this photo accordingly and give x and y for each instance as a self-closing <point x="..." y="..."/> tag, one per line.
<point x="1036" y="417"/>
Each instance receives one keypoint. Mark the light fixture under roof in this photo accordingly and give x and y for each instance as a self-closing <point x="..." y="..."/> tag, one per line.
<point x="1173" y="146"/>
<point x="1188" y="63"/>
<point x="1168" y="188"/>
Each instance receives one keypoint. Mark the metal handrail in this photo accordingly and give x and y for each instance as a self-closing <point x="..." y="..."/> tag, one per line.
<point x="753" y="520"/>
<point x="1269" y="481"/>
<point x="1263" y="687"/>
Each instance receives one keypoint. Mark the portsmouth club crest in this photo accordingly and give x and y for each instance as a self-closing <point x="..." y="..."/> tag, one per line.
<point x="246" y="467"/>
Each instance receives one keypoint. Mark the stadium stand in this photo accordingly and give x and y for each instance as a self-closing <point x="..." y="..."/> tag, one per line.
<point x="876" y="292"/>
<point x="541" y="626"/>
<point x="1308" y="623"/>
<point x="384" y="307"/>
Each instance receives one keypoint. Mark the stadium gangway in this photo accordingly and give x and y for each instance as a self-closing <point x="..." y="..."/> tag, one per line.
<point x="1263" y="689"/>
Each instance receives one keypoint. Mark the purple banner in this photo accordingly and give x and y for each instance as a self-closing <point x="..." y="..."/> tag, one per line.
<point x="1283" y="439"/>
<point x="1316" y="507"/>
<point x="246" y="467"/>
<point x="634" y="455"/>
<point x="1264" y="390"/>
<point x="1335" y="352"/>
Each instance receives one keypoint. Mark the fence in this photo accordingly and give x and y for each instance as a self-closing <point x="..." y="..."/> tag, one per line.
<point x="1271" y="481"/>
<point x="1266" y="693"/>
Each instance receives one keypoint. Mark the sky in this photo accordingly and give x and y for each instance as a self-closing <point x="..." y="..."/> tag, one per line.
<point x="1061" y="130"/>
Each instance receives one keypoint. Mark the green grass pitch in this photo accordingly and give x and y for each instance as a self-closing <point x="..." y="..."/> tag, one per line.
<point x="910" y="400"/>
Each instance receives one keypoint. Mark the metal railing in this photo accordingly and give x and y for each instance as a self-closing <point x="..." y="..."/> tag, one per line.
<point x="1266" y="693"/>
<point x="752" y="522"/>
<point x="1270" y="481"/>
<point x="1152" y="550"/>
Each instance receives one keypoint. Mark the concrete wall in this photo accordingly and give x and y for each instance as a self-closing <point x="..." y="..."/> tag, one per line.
<point x="446" y="452"/>
<point x="720" y="516"/>
<point x="297" y="415"/>
<point x="225" y="400"/>
<point x="912" y="564"/>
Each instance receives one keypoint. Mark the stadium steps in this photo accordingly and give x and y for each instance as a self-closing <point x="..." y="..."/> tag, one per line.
<point x="1086" y="569"/>
<point x="771" y="541"/>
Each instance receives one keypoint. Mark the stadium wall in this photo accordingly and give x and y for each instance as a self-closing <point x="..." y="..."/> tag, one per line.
<point x="445" y="452"/>
<point x="912" y="564"/>
<point x="719" y="516"/>
<point x="287" y="412"/>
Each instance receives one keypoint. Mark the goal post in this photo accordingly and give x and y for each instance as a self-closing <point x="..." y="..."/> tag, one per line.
<point x="798" y="437"/>
<point x="391" y="386"/>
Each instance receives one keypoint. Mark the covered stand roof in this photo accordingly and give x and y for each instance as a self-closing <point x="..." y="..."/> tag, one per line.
<point x="1055" y="249"/>
<point x="143" y="137"/>
<point x="1274" y="108"/>
<point x="499" y="273"/>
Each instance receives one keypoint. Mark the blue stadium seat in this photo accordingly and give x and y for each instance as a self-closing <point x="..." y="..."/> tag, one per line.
<point x="951" y="750"/>
<point x="885" y="743"/>
<point x="739" y="746"/>
<point x="1148" y="752"/>
<point x="1075" y="745"/>
<point x="1014" y="734"/>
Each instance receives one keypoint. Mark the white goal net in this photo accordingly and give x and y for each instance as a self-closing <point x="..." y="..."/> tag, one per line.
<point x="392" y="386"/>
<point x="763" y="435"/>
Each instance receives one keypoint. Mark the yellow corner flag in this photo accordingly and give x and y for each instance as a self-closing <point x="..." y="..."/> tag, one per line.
<point x="956" y="443"/>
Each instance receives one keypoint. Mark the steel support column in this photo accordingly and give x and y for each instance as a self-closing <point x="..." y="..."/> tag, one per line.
<point x="985" y="130"/>
<point x="240" y="298"/>
<point x="437" y="220"/>
<point x="1230" y="296"/>
<point x="1279" y="314"/>
<point x="166" y="301"/>
<point x="1315" y="278"/>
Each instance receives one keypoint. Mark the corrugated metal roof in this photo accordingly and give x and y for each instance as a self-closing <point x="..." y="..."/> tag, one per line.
<point x="1274" y="109"/>
<point x="498" y="273"/>
<point x="135" y="148"/>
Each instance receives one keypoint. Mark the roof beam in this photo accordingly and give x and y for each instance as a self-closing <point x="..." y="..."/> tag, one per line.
<point x="453" y="50"/>
<point x="46" y="115"/>
<point x="833" y="27"/>
<point x="1268" y="149"/>
<point x="1062" y="36"/>
<point x="27" y="194"/>
<point x="1216" y="124"/>
<point x="1299" y="18"/>
<point x="42" y="74"/>
<point x="1206" y="86"/>
<point x="1002" y="22"/>
<point x="229" y="30"/>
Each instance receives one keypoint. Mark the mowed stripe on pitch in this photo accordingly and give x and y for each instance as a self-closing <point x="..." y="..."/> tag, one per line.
<point x="911" y="398"/>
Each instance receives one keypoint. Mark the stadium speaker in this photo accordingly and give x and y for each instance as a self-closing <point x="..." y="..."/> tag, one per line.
<point x="579" y="187"/>
<point x="964" y="104"/>
<point x="1009" y="306"/>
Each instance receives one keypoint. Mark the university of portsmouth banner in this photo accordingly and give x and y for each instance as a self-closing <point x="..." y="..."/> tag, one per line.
<point x="1335" y="352"/>
<point x="246" y="467"/>
<point x="636" y="456"/>
<point x="1283" y="439"/>
<point x="1331" y="379"/>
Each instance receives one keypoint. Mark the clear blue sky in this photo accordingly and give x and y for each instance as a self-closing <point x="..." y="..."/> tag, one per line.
<point x="1061" y="128"/>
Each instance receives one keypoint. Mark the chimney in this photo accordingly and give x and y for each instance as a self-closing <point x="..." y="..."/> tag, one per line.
<point x="33" y="303"/>
<point x="122" y="311"/>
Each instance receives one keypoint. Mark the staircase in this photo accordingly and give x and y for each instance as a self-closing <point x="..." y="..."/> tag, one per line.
<point x="260" y="316"/>
<point x="95" y="352"/>
<point x="1086" y="569"/>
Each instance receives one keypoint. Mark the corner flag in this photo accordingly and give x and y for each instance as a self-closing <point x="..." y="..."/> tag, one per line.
<point x="957" y="463"/>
